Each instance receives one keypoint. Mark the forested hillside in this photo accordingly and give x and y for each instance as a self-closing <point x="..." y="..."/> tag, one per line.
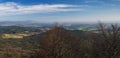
<point x="57" y="42"/>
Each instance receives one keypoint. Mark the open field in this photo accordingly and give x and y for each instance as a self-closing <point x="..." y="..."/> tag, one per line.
<point x="17" y="36"/>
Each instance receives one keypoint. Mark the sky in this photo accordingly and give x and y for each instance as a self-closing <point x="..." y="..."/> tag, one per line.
<point x="60" y="10"/>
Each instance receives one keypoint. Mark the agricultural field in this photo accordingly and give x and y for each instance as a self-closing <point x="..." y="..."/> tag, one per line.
<point x="18" y="35"/>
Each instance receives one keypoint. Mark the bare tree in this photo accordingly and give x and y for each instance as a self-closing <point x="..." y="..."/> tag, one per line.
<point x="58" y="43"/>
<point x="107" y="44"/>
<point x="11" y="52"/>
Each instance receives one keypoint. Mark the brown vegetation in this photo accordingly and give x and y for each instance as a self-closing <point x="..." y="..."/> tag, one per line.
<point x="59" y="43"/>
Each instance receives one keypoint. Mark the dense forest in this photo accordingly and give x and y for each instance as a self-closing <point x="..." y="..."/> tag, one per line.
<point x="61" y="43"/>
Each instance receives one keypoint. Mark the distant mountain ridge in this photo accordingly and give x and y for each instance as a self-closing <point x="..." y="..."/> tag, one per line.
<point x="22" y="23"/>
<point x="69" y="26"/>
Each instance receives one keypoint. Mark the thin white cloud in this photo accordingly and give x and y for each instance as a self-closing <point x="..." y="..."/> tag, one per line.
<point x="94" y="1"/>
<point x="14" y="8"/>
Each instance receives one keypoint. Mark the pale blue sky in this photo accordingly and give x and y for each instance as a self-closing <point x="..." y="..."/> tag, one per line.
<point x="60" y="10"/>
